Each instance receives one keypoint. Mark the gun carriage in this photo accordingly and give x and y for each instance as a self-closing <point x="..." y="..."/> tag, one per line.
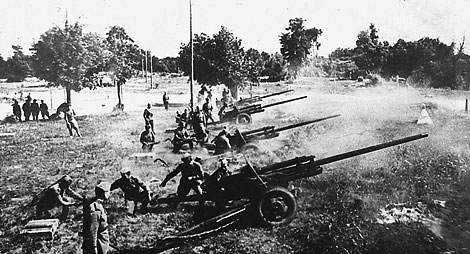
<point x="266" y="187"/>
<point x="242" y="115"/>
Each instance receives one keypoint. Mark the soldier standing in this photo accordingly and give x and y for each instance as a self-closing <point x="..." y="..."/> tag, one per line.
<point x="95" y="222"/>
<point x="134" y="190"/>
<point x="207" y="109"/>
<point x="54" y="196"/>
<point x="166" y="100"/>
<point x="44" y="110"/>
<point x="35" y="110"/>
<point x="148" y="116"/>
<point x="27" y="110"/>
<point x="17" y="110"/>
<point x="192" y="176"/>
<point x="70" y="120"/>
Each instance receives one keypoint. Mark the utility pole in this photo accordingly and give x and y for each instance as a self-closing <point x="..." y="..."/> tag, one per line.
<point x="142" y="57"/>
<point x="146" y="67"/>
<point x="151" y="71"/>
<point x="192" y="53"/>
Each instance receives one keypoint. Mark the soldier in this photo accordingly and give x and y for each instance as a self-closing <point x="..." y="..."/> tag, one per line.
<point x="181" y="137"/>
<point x="27" y="110"/>
<point x="147" y="138"/>
<point x="212" y="186"/>
<point x="95" y="222"/>
<point x="207" y="109"/>
<point x="17" y="110"/>
<point x="222" y="142"/>
<point x="35" y="110"/>
<point x="166" y="100"/>
<point x="44" y="110"/>
<point x="221" y="110"/>
<point x="148" y="116"/>
<point x="70" y="120"/>
<point x="54" y="196"/>
<point x="134" y="190"/>
<point x="192" y="176"/>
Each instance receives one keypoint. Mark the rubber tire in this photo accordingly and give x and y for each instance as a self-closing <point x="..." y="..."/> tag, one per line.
<point x="243" y="118"/>
<point x="250" y="147"/>
<point x="284" y="198"/>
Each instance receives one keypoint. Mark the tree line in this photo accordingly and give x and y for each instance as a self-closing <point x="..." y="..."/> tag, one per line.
<point x="426" y="62"/>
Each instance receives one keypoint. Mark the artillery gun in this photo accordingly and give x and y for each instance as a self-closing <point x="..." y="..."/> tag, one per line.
<point x="242" y="115"/>
<point x="254" y="99"/>
<point x="266" y="188"/>
<point x="244" y="141"/>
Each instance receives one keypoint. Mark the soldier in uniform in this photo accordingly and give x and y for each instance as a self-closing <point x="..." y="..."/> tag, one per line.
<point x="166" y="100"/>
<point x="134" y="190"/>
<point x="222" y="142"/>
<point x="70" y="120"/>
<point x="55" y="195"/>
<point x="192" y="176"/>
<point x="44" y="110"/>
<point x="207" y="109"/>
<point x="17" y="110"/>
<point x="95" y="222"/>
<point x="148" y="116"/>
<point x="27" y="110"/>
<point x="212" y="185"/>
<point x="181" y="137"/>
<point x="147" y="138"/>
<point x="35" y="110"/>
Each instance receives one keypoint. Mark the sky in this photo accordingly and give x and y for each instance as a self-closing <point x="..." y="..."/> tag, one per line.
<point x="161" y="26"/>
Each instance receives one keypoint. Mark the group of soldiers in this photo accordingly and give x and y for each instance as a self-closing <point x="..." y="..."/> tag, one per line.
<point x="31" y="109"/>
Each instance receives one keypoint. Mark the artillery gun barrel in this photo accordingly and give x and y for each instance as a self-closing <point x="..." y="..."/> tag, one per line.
<point x="368" y="149"/>
<point x="304" y="123"/>
<point x="274" y="94"/>
<point x="282" y="102"/>
<point x="265" y="128"/>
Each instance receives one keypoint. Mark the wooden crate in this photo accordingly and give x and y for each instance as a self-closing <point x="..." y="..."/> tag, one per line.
<point x="41" y="229"/>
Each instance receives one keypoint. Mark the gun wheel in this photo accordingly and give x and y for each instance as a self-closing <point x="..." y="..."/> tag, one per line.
<point x="277" y="206"/>
<point x="250" y="148"/>
<point x="243" y="118"/>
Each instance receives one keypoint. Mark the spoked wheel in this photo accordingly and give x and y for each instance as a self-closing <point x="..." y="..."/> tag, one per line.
<point x="243" y="118"/>
<point x="277" y="206"/>
<point x="250" y="149"/>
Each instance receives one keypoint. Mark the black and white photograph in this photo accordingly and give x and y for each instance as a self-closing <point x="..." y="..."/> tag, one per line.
<point x="234" y="126"/>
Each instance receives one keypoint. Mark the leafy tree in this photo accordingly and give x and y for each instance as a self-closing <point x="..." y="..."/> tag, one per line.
<point x="2" y="67"/>
<point x="124" y="57"/>
<point x="68" y="57"/>
<point x="370" y="54"/>
<point x="297" y="43"/>
<point x="217" y="60"/>
<point x="171" y="63"/>
<point x="274" y="66"/>
<point x="254" y="64"/>
<point x="17" y="67"/>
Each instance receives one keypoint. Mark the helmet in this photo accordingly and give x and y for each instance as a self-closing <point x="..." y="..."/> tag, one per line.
<point x="125" y="170"/>
<point x="66" y="179"/>
<point x="186" y="157"/>
<point x="104" y="186"/>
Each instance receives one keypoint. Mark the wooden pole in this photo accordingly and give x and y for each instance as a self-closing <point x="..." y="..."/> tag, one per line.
<point x="466" y="105"/>
<point x="142" y="57"/>
<point x="192" y="52"/>
<point x="151" y="71"/>
<point x="146" y="67"/>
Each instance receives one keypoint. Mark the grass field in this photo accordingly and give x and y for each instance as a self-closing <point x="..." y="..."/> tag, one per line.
<point x="338" y="210"/>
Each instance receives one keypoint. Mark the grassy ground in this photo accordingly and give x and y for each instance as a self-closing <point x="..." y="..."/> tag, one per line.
<point x="338" y="209"/>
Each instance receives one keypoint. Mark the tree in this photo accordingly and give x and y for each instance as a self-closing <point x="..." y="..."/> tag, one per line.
<point x="370" y="54"/>
<point x="297" y="43"/>
<point x="17" y="67"/>
<point x="124" y="57"/>
<point x="68" y="57"/>
<point x="253" y="64"/>
<point x="217" y="60"/>
<point x="274" y="66"/>
<point x="3" y="67"/>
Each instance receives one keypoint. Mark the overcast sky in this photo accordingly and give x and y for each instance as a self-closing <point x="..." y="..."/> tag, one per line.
<point x="162" y="25"/>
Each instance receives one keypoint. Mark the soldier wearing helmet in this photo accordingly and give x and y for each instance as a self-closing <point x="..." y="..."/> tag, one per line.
<point x="55" y="196"/>
<point x="95" y="222"/>
<point x="134" y="190"/>
<point x="192" y="176"/>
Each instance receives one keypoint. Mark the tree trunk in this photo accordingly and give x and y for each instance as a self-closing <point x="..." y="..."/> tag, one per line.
<point x="234" y="90"/>
<point x="68" y="96"/>
<point x="119" y="92"/>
